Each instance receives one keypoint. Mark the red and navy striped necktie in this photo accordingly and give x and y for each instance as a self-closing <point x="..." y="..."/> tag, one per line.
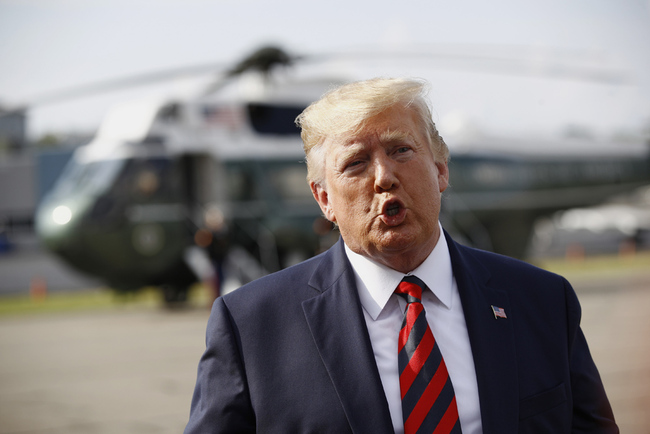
<point x="428" y="399"/>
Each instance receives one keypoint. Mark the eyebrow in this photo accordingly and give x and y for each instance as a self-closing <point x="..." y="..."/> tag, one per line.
<point x="386" y="137"/>
<point x="354" y="147"/>
<point x="395" y="136"/>
<point x="349" y="152"/>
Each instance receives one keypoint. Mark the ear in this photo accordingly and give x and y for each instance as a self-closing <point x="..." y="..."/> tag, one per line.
<point x="443" y="175"/>
<point x="320" y="194"/>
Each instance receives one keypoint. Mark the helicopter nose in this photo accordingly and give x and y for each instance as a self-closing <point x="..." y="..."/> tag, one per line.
<point x="61" y="215"/>
<point x="54" y="223"/>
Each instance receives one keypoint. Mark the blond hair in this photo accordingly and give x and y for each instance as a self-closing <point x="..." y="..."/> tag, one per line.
<point x="346" y="109"/>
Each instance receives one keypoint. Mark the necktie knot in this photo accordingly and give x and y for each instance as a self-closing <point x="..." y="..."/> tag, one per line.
<point x="411" y="289"/>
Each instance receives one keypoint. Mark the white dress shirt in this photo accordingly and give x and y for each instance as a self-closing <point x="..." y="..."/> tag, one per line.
<point x="384" y="311"/>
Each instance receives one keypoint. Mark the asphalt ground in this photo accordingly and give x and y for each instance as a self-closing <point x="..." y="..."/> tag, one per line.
<point x="131" y="368"/>
<point x="109" y="371"/>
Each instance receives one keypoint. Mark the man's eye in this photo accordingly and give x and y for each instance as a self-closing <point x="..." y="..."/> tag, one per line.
<point x="402" y="151"/>
<point x="353" y="164"/>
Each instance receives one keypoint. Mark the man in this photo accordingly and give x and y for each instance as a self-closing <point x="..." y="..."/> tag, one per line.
<point x="397" y="327"/>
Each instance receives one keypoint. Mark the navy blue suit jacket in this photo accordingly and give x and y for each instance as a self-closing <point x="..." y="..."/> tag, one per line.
<point x="290" y="353"/>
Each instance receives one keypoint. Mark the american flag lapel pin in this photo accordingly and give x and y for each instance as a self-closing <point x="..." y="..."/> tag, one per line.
<point x="499" y="312"/>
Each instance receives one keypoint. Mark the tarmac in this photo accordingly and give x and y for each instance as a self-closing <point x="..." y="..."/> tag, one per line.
<point x="132" y="370"/>
<point x="616" y="322"/>
<point x="109" y="372"/>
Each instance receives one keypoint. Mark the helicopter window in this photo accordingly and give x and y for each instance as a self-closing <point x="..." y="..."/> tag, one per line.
<point x="93" y="178"/>
<point x="140" y="181"/>
<point x="241" y="185"/>
<point x="279" y="181"/>
<point x="148" y="177"/>
<point x="290" y="182"/>
<point x="274" y="119"/>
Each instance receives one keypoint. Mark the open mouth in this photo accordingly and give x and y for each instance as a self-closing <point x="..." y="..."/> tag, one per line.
<point x="393" y="209"/>
<point x="394" y="213"/>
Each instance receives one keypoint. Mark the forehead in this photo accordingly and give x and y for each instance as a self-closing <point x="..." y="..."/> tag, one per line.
<point x="395" y="124"/>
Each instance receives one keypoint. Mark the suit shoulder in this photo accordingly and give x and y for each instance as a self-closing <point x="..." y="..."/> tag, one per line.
<point x="528" y="287"/>
<point x="510" y="268"/>
<point x="291" y="281"/>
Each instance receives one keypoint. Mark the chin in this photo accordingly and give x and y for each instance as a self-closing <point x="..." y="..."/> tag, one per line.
<point x="396" y="243"/>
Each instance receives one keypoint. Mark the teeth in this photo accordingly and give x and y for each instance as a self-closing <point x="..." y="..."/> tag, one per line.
<point x="392" y="210"/>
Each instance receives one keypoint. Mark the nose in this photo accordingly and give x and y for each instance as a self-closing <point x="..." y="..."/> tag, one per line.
<point x="385" y="176"/>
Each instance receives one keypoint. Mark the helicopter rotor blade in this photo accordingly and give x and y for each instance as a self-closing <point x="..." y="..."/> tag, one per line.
<point x="508" y="60"/>
<point x="263" y="59"/>
<point x="122" y="83"/>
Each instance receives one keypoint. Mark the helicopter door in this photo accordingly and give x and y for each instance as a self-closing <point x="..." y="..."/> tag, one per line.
<point x="202" y="185"/>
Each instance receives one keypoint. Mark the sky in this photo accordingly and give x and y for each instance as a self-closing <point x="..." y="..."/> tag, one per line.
<point x="48" y="45"/>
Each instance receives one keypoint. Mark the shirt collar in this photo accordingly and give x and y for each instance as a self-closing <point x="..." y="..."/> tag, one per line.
<point x="376" y="282"/>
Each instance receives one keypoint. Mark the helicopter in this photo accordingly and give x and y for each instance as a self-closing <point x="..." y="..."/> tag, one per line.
<point x="224" y="172"/>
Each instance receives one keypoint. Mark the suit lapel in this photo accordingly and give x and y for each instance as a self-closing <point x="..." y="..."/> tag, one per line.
<point x="492" y="341"/>
<point x="337" y="325"/>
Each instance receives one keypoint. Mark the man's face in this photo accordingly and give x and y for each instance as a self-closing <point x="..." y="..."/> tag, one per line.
<point x="383" y="189"/>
